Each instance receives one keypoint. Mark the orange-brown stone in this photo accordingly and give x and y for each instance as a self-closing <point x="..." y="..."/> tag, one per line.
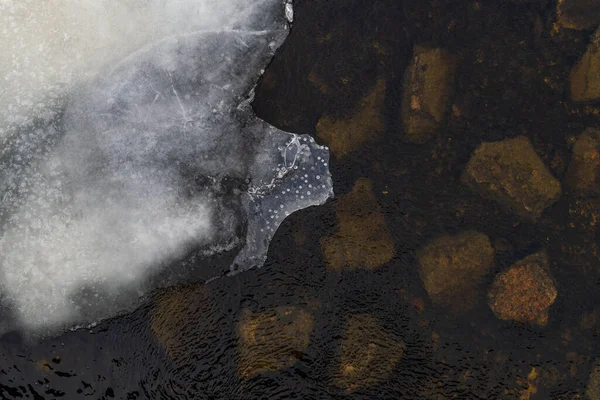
<point x="593" y="388"/>
<point x="362" y="240"/>
<point x="175" y="318"/>
<point x="368" y="353"/>
<point x="511" y="173"/>
<point x="524" y="292"/>
<point x="272" y="340"/>
<point x="428" y="87"/>
<point x="344" y="135"/>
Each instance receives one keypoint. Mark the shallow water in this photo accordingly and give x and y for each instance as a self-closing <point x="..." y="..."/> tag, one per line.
<point x="288" y="329"/>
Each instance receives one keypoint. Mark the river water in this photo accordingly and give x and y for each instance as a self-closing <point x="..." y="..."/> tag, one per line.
<point x="307" y="325"/>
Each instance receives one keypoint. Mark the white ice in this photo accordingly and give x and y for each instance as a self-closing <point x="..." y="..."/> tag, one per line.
<point x="127" y="141"/>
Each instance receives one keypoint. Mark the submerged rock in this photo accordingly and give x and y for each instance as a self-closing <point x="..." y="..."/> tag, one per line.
<point x="344" y="135"/>
<point x="368" y="353"/>
<point x="362" y="240"/>
<point x="524" y="292"/>
<point x="578" y="14"/>
<point x="174" y="322"/>
<point x="451" y="268"/>
<point x="272" y="340"/>
<point x="511" y="173"/>
<point x="578" y="244"/>
<point x="583" y="175"/>
<point x="428" y="87"/>
<point x="593" y="388"/>
<point x="584" y="219"/>
<point x="585" y="75"/>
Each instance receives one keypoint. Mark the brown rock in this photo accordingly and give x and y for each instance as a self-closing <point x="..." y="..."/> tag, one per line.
<point x="583" y="175"/>
<point x="362" y="240"/>
<point x="585" y="75"/>
<point x="428" y="87"/>
<point x="584" y="217"/>
<point x="344" y="135"/>
<point x="451" y="268"/>
<point x="272" y="340"/>
<point x="578" y="243"/>
<point x="511" y="173"/>
<point x="593" y="388"/>
<point x="368" y="353"/>
<point x="578" y="14"/>
<point x="524" y="292"/>
<point x="175" y="320"/>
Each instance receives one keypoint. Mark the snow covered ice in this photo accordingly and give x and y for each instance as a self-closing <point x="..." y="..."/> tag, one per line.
<point x="128" y="146"/>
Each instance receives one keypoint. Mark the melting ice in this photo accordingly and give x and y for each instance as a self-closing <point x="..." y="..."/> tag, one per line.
<point x="127" y="164"/>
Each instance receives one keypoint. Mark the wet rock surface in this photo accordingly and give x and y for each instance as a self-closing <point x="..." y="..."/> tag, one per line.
<point x="428" y="87"/>
<point x="524" y="292"/>
<point x="451" y="268"/>
<point x="511" y="173"/>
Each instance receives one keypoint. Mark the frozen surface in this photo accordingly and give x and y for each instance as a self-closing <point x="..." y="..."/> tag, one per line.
<point x="139" y="160"/>
<point x="50" y="45"/>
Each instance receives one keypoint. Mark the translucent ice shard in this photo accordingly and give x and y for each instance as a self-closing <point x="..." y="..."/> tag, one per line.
<point x="155" y="157"/>
<point x="298" y="177"/>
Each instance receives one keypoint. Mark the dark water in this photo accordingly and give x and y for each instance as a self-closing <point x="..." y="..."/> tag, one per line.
<point x="285" y="331"/>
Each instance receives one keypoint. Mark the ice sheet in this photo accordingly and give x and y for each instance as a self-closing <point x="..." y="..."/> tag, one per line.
<point x="145" y="158"/>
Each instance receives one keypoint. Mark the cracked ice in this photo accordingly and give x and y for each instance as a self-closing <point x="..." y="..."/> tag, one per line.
<point x="127" y="147"/>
